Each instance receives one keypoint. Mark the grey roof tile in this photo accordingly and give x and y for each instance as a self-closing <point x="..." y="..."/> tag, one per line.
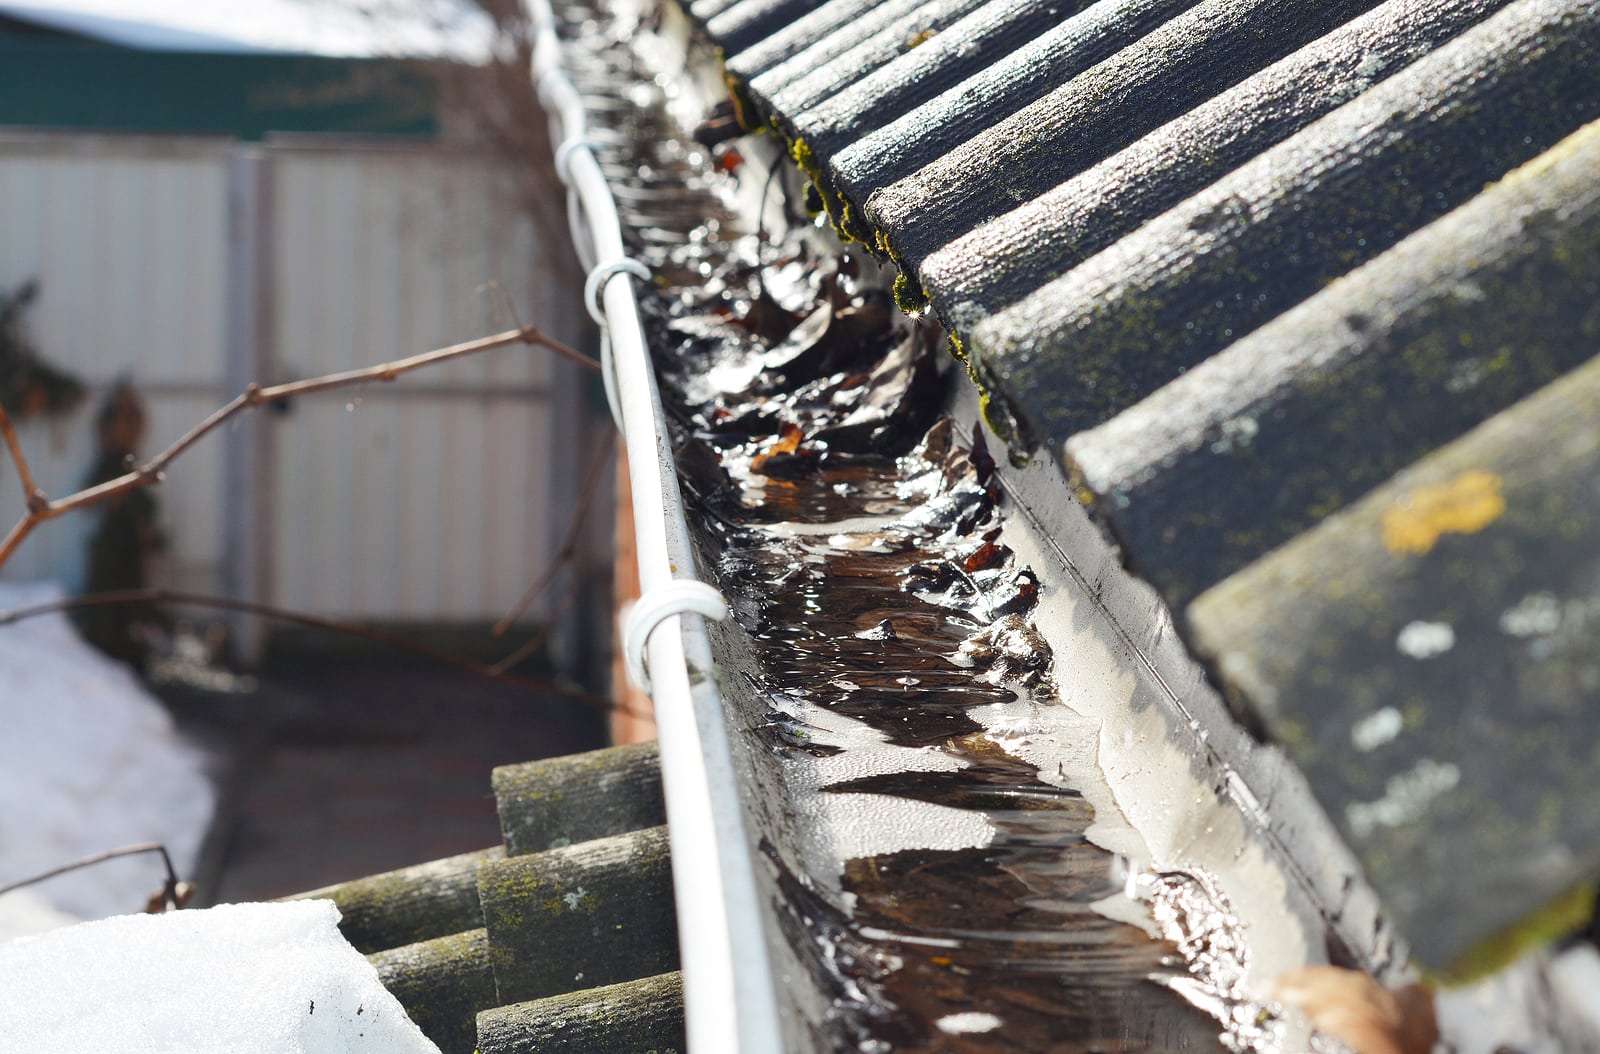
<point x="977" y="41"/>
<point x="1255" y="243"/>
<point x="466" y="934"/>
<point x="442" y="983"/>
<point x="834" y="63"/>
<point x="1175" y="67"/>
<point x="1009" y="257"/>
<point x="1329" y="400"/>
<point x="902" y="146"/>
<point x="411" y="904"/>
<point x="742" y="23"/>
<point x="1431" y="658"/>
<point x="590" y="914"/>
<point x="819" y="30"/>
<point x="1235" y="262"/>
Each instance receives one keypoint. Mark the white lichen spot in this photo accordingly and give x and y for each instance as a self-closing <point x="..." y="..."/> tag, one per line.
<point x="1465" y="376"/>
<point x="1424" y="640"/>
<point x="968" y="1022"/>
<point x="1406" y="797"/>
<point x="1535" y="615"/>
<point x="1374" y="730"/>
<point x="575" y="899"/>
<point x="1370" y="67"/>
<point x="1235" y="433"/>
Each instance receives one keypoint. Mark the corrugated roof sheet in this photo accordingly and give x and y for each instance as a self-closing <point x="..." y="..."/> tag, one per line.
<point x="565" y="939"/>
<point x="1234" y="264"/>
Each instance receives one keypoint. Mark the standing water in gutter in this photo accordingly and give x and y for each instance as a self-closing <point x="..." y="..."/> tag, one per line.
<point x="859" y="541"/>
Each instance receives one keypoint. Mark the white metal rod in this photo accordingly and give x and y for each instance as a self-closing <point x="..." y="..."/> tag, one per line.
<point x="729" y="1000"/>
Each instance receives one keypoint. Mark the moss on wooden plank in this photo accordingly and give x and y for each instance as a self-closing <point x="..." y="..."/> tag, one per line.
<point x="443" y="984"/>
<point x="590" y="914"/>
<point x="580" y="797"/>
<point x="635" y="1017"/>
<point x="409" y="905"/>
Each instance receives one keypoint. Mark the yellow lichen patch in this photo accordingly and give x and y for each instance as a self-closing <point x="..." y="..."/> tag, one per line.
<point x="1464" y="505"/>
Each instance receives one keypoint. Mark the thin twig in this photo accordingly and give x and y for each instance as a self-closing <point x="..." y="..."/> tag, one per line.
<point x="42" y="508"/>
<point x="30" y="489"/>
<point x="537" y="640"/>
<point x="99" y="858"/>
<point x="250" y="607"/>
<point x="569" y="544"/>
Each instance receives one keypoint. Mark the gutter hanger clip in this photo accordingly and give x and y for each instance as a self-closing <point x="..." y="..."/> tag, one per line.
<point x="677" y="597"/>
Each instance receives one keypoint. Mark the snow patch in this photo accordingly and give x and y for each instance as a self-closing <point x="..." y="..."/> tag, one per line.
<point x="91" y="762"/>
<point x="244" y="978"/>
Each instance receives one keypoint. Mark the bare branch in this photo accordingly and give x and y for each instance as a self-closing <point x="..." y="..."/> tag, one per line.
<point x="535" y="642"/>
<point x="99" y="858"/>
<point x="40" y="508"/>
<point x="250" y="607"/>
<point x="569" y="544"/>
<point x="30" y="489"/>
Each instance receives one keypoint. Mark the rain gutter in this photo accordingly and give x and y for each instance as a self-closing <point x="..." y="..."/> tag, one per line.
<point x="729" y="1000"/>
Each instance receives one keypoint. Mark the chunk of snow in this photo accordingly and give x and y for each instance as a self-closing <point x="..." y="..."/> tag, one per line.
<point x="241" y="978"/>
<point x="91" y="762"/>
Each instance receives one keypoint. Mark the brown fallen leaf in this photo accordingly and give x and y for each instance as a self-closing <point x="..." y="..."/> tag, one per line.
<point x="788" y="443"/>
<point x="1359" y="1012"/>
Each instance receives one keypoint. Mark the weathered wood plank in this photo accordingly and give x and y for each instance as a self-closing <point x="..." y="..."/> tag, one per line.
<point x="635" y="1017"/>
<point x="443" y="984"/>
<point x="580" y="797"/>
<point x="590" y="914"/>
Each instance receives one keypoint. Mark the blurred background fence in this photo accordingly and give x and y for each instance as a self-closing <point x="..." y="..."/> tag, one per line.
<point x="193" y="265"/>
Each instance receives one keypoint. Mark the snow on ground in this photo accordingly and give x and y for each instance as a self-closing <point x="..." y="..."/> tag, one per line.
<point x="241" y="978"/>
<point x="89" y="761"/>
